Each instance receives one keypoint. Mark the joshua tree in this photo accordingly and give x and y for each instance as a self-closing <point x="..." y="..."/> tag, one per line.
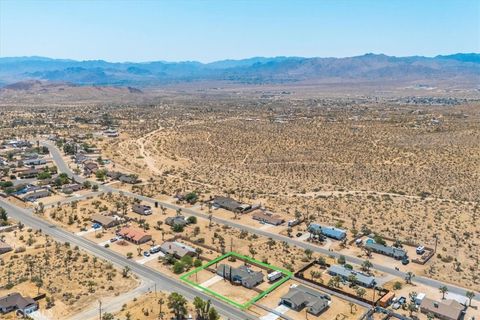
<point x="470" y="295"/>
<point x="352" y="305"/>
<point x="409" y="276"/>
<point x="308" y="253"/>
<point x="361" y="292"/>
<point x="443" y="291"/>
<point x="177" y="303"/>
<point x="160" y="303"/>
<point x="366" y="265"/>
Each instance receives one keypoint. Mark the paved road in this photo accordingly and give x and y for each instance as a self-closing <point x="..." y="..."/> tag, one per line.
<point x="163" y="282"/>
<point x="63" y="167"/>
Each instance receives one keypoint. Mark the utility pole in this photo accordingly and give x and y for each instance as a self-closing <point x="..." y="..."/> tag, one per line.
<point x="436" y="242"/>
<point x="100" y="309"/>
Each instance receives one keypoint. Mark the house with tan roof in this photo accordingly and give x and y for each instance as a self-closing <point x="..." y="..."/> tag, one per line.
<point x="135" y="235"/>
<point x="267" y="217"/>
<point x="444" y="310"/>
<point x="105" y="221"/>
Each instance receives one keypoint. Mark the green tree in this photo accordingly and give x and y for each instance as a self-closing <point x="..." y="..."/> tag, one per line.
<point x="409" y="276"/>
<point x="178" y="304"/>
<point x="177" y="228"/>
<point x="107" y="316"/>
<point x="3" y="216"/>
<point x="192" y="220"/>
<point x="366" y="265"/>
<point x="178" y="267"/>
<point x="443" y="290"/>
<point x="308" y="253"/>
<point x="470" y="295"/>
<point x="361" y="292"/>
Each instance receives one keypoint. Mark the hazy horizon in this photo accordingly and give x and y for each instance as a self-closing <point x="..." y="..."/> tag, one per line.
<point x="143" y="31"/>
<point x="233" y="59"/>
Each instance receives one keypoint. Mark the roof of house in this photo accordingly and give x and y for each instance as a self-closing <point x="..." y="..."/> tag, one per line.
<point x="128" y="178"/>
<point x="228" y="203"/>
<point x="133" y="233"/>
<point x="362" y="278"/>
<point x="16" y="300"/>
<point x="267" y="217"/>
<point x="327" y="230"/>
<point x="396" y="252"/>
<point x="302" y="295"/>
<point x="4" y="246"/>
<point x="90" y="165"/>
<point x="242" y="274"/>
<point x="176" y="220"/>
<point x="450" y="309"/>
<point x="176" y="248"/>
<point x="103" y="220"/>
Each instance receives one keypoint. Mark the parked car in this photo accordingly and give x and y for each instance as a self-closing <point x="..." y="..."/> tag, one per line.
<point x="113" y="239"/>
<point x="96" y="226"/>
<point x="405" y="262"/>
<point x="402" y="300"/>
<point x="146" y="254"/>
<point x="299" y="234"/>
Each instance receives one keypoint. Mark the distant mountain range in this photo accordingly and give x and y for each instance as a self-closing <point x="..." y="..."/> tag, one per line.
<point x="259" y="70"/>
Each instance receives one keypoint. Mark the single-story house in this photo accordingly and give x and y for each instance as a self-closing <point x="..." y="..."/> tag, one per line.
<point x="396" y="253"/>
<point x="268" y="217"/>
<point x="71" y="187"/>
<point x="180" y="220"/>
<point x="90" y="167"/>
<point x="300" y="296"/>
<point x="128" y="178"/>
<point x="115" y="175"/>
<point x="15" y="301"/>
<point x="177" y="249"/>
<point x="331" y="232"/>
<point x="35" y="195"/>
<point x="231" y="204"/>
<point x="444" y="310"/>
<point x="241" y="275"/>
<point x="134" y="235"/>
<point x="80" y="158"/>
<point x="4" y="248"/>
<point x="142" y="209"/>
<point x="33" y="162"/>
<point x="361" y="278"/>
<point x="29" y="173"/>
<point x="105" y="221"/>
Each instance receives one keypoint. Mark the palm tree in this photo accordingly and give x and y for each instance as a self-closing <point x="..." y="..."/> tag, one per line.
<point x="443" y="291"/>
<point x="470" y="295"/>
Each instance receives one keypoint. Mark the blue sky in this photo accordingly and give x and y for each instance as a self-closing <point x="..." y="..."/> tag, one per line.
<point x="207" y="30"/>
